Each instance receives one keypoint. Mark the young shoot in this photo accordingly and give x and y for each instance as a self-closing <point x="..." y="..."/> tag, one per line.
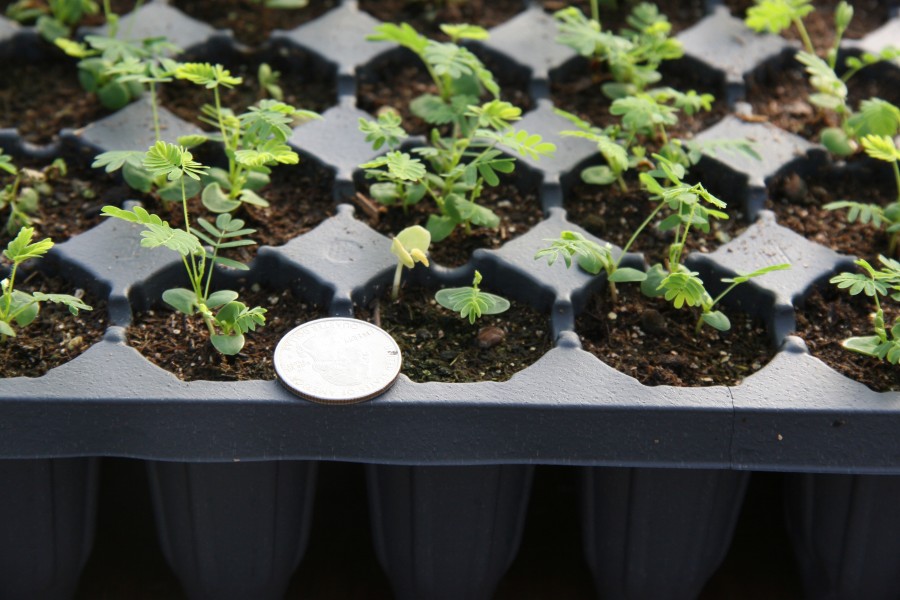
<point x="881" y="148"/>
<point x="409" y="246"/>
<point x="874" y="117"/>
<point x="53" y="18"/>
<point x="226" y="318"/>
<point x="632" y="57"/>
<point x="21" y="197"/>
<point x="471" y="302"/>
<point x="117" y="70"/>
<point x="254" y="141"/>
<point x="455" y="170"/>
<point x="877" y="284"/>
<point x="18" y="308"/>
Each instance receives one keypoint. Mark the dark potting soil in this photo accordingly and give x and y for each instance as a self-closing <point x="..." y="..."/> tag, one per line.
<point x="830" y="315"/>
<point x="305" y="82"/>
<point x="75" y="199"/>
<point x="41" y="98"/>
<point x="427" y="16"/>
<point x="250" y="20"/>
<point x="868" y="15"/>
<point x="614" y="216"/>
<point x="56" y="336"/>
<point x="518" y="211"/>
<point x="798" y="202"/>
<point x="180" y="344"/>
<point x="613" y="15"/>
<point x="656" y="344"/>
<point x="400" y="78"/>
<point x="438" y="345"/>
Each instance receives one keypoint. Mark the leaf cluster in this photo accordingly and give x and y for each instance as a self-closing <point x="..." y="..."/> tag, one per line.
<point x="471" y="302"/>
<point x="878" y="284"/>
<point x="19" y="308"/>
<point x="226" y="318"/>
<point x="633" y="56"/>
<point x="52" y="18"/>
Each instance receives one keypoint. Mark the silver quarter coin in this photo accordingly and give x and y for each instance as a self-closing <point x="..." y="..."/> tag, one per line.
<point x="337" y="360"/>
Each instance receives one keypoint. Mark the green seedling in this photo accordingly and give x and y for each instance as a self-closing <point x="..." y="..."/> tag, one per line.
<point x="254" y="141"/>
<point x="633" y="56"/>
<point x="21" y="197"/>
<point x="268" y="80"/>
<point x="409" y="246"/>
<point x="117" y="70"/>
<point x="52" y="18"/>
<point x="874" y="117"/>
<point x="881" y="148"/>
<point x="21" y="308"/>
<point x="226" y="318"/>
<point x="471" y="302"/>
<point x="283" y="4"/>
<point x="877" y="284"/>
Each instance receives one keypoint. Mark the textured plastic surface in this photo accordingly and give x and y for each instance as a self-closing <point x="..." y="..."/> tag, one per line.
<point x="568" y="408"/>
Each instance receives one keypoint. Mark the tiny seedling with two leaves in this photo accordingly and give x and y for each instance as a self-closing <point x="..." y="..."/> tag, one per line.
<point x="410" y="246"/>
<point x="453" y="169"/>
<point x="226" y="318"/>
<point x="877" y="284"/>
<point x="19" y="308"/>
<point x="21" y="197"/>
<point x="471" y="302"/>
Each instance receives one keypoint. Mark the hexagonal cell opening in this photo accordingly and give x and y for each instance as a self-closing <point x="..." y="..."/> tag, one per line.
<point x="395" y="78"/>
<point x="307" y="82"/>
<point x="252" y="22"/>
<point x="180" y="343"/>
<point x="427" y="17"/>
<point x="517" y="201"/>
<point x="439" y="345"/>
<point x="657" y="344"/>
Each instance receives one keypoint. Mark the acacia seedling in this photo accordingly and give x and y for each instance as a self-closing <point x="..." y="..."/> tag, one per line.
<point x="254" y="141"/>
<point x="21" y="308"/>
<point x="633" y="56"/>
<point x="409" y="246"/>
<point x="875" y="116"/>
<point x="877" y="284"/>
<point x="58" y="18"/>
<point x="21" y="197"/>
<point x="471" y="302"/>
<point x="881" y="148"/>
<point x="231" y="319"/>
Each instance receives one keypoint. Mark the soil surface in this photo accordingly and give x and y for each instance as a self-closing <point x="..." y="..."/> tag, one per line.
<point x="400" y="78"/>
<point x="829" y="316"/>
<point x="306" y="83"/>
<point x="798" y="204"/>
<point x="180" y="344"/>
<point x="518" y="211"/>
<point x="438" y="345"/>
<point x="426" y="16"/>
<point x="56" y="336"/>
<point x="41" y="98"/>
<point x="614" y="215"/>
<point x="613" y="15"/>
<point x="868" y="15"/>
<point x="74" y="200"/>
<point x="250" y="20"/>
<point x="656" y="344"/>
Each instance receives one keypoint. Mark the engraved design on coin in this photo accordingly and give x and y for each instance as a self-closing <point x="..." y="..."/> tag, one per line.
<point x="337" y="360"/>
